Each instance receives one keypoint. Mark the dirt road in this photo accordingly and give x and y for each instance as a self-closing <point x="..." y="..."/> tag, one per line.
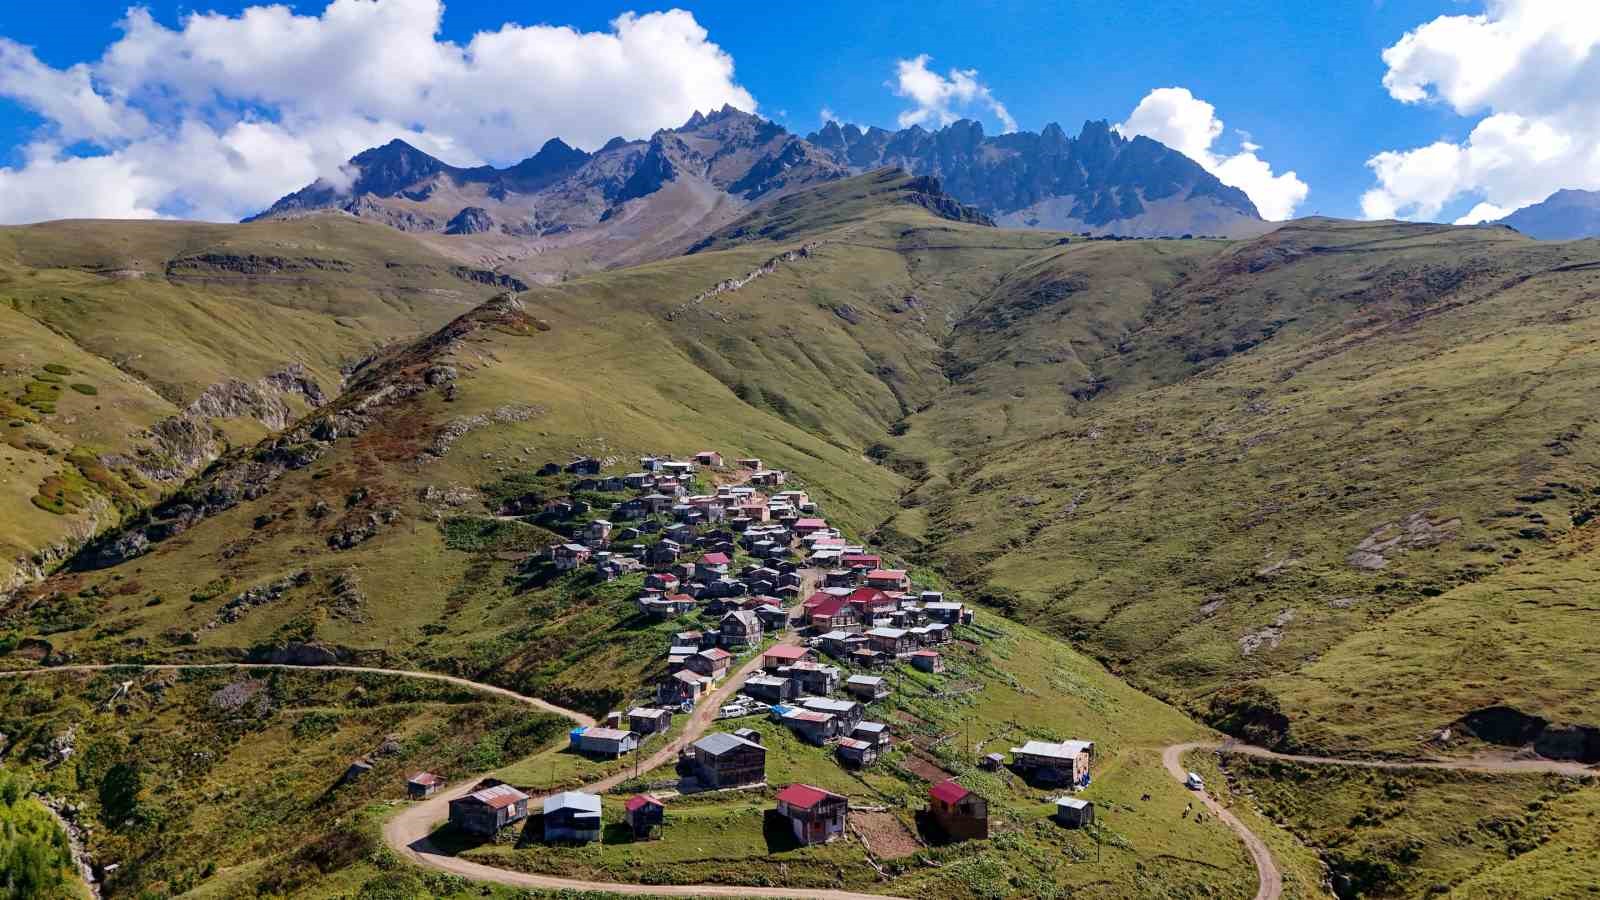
<point x="1269" y="878"/>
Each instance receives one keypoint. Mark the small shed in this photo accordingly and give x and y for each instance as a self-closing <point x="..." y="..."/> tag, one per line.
<point x="961" y="814"/>
<point x="423" y="785"/>
<point x="572" y="816"/>
<point x="867" y="688"/>
<point x="992" y="762"/>
<point x="646" y="720"/>
<point x="1074" y="813"/>
<point x="927" y="661"/>
<point x="644" y="814"/>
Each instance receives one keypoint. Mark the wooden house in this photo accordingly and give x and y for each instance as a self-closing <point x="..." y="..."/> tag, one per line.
<point x="927" y="660"/>
<point x="771" y="688"/>
<point x="646" y="721"/>
<point x="810" y="725"/>
<point x="712" y="565"/>
<point x="683" y="686"/>
<point x="584" y="465"/>
<point x="708" y="458"/>
<point x="740" y="629"/>
<point x="876" y="733"/>
<point x="960" y="813"/>
<point x="815" y="815"/>
<point x="848" y="712"/>
<point x="891" y="641"/>
<point x="711" y="663"/>
<point x="773" y="617"/>
<point x="423" y="785"/>
<point x="784" y="655"/>
<point x="813" y="678"/>
<point x="889" y="580"/>
<point x="867" y="688"/>
<point x="569" y="556"/>
<point x="484" y="812"/>
<point x="644" y="814"/>
<point x="572" y="816"/>
<point x="721" y="760"/>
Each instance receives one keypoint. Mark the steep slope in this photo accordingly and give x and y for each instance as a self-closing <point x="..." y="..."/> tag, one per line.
<point x="132" y="354"/>
<point x="1273" y="461"/>
<point x="1563" y="216"/>
<point x="1098" y="182"/>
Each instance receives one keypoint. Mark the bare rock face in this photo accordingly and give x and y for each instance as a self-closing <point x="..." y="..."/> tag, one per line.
<point x="1414" y="532"/>
<point x="298" y="653"/>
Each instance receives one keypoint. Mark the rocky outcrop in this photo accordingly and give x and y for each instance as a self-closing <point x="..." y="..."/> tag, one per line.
<point x="471" y="220"/>
<point x="1415" y="532"/>
<point x="298" y="653"/>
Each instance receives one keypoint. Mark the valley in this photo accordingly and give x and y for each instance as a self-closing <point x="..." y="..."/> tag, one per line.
<point x="1280" y="489"/>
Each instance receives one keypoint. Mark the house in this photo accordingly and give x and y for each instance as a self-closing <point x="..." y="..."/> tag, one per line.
<point x="1045" y="762"/>
<point x="927" y="661"/>
<point x="646" y="721"/>
<point x="838" y="643"/>
<point x="711" y="663"/>
<point x="769" y="477"/>
<point x="867" y="658"/>
<point x="771" y="688"/>
<point x="422" y="785"/>
<point x="683" y="686"/>
<point x="741" y="628"/>
<point x="569" y="556"/>
<point x="848" y="712"/>
<point x="813" y="678"/>
<point x="866" y="688"/>
<point x="784" y="655"/>
<point x="772" y="616"/>
<point x="839" y="578"/>
<point x="598" y="532"/>
<point x="816" y="816"/>
<point x="661" y="581"/>
<point x="750" y="462"/>
<point x="721" y="760"/>
<point x="644" y="814"/>
<point x="891" y="641"/>
<point x="861" y="562"/>
<point x="749" y="734"/>
<point x="889" y="580"/>
<point x="948" y="613"/>
<point x="809" y="526"/>
<point x="830" y="613"/>
<point x="1074" y="813"/>
<point x="650" y="463"/>
<point x="938" y="633"/>
<point x="584" y="465"/>
<point x="572" y="816"/>
<point x="855" y="753"/>
<point x="608" y="743"/>
<point x="872" y="603"/>
<point x="712" y="565"/>
<point x="484" y="812"/>
<point x="992" y="762"/>
<point x="663" y="553"/>
<point x="708" y="458"/>
<point x="661" y="608"/>
<point x="876" y="733"/>
<point x="960" y="813"/>
<point x="809" y="725"/>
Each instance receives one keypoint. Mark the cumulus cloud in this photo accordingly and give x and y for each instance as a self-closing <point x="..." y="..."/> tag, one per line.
<point x="1531" y="70"/>
<point x="221" y="115"/>
<point x="942" y="99"/>
<point x="1176" y="117"/>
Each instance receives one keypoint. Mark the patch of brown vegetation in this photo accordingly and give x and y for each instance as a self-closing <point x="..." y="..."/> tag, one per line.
<point x="924" y="768"/>
<point x="885" y="835"/>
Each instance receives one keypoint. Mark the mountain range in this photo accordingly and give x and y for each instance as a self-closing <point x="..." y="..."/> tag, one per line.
<point x="565" y="210"/>
<point x="1563" y="216"/>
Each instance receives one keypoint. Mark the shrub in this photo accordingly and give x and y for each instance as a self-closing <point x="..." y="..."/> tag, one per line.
<point x="57" y="369"/>
<point x="87" y="390"/>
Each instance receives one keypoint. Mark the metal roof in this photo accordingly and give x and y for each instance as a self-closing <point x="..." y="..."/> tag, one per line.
<point x="572" y="800"/>
<point x="718" y="743"/>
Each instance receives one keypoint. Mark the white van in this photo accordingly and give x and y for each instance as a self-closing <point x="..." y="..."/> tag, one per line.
<point x="1194" y="782"/>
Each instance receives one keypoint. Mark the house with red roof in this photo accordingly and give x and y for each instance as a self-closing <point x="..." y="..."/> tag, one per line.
<point x="708" y="458"/>
<point x="712" y="663"/>
<point x="816" y="816"/>
<point x="809" y="525"/>
<point x="644" y="814"/>
<point x="889" y="580"/>
<point x="785" y="655"/>
<point x="831" y="612"/>
<point x="712" y="565"/>
<point x="960" y="813"/>
<point x="871" y="603"/>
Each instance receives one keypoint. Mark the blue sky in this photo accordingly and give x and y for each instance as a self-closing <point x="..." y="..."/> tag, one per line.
<point x="1303" y="81"/>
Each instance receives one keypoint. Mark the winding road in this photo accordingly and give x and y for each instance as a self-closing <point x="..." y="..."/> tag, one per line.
<point x="408" y="832"/>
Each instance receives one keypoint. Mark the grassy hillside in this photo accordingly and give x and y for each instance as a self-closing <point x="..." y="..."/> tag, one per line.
<point x="111" y="331"/>
<point x="1300" y="441"/>
<point x="198" y="775"/>
<point x="35" y="856"/>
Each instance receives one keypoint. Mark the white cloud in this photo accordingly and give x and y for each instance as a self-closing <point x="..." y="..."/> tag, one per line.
<point x="1483" y="212"/>
<point x="826" y="115"/>
<point x="942" y="99"/>
<point x="220" y="116"/>
<point x="1531" y="69"/>
<point x="1184" y="122"/>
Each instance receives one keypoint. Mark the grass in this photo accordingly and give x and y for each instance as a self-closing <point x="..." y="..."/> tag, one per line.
<point x="195" y="772"/>
<point x="1432" y="833"/>
<point x="35" y="855"/>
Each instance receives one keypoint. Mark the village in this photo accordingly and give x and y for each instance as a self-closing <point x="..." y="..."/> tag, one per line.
<point x="789" y="622"/>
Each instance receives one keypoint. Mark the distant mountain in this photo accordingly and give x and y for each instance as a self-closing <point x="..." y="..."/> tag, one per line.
<point x="564" y="210"/>
<point x="1563" y="216"/>
<point x="1099" y="181"/>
